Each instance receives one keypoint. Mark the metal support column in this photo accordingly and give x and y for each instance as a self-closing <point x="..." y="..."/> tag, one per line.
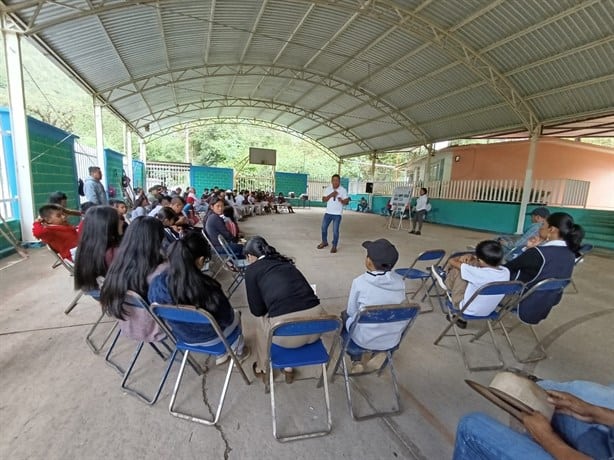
<point x="19" y="132"/>
<point x="528" y="179"/>
<point x="128" y="150"/>
<point x="186" y="133"/>
<point x="102" y="164"/>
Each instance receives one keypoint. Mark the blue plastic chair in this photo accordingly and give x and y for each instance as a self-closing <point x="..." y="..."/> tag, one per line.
<point x="308" y="355"/>
<point x="217" y="258"/>
<point x="380" y="314"/>
<point x="235" y="265"/>
<point x="133" y="300"/>
<point x="511" y="290"/>
<point x="168" y="316"/>
<point x="423" y="274"/>
<point x="552" y="287"/>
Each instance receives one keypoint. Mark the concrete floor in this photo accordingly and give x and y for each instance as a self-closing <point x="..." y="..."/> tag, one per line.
<point x="60" y="401"/>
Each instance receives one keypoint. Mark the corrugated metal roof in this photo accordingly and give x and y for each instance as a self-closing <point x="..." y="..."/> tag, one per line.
<point x="354" y="76"/>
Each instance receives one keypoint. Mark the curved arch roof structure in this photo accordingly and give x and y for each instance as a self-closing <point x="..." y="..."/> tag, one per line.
<point x="354" y="76"/>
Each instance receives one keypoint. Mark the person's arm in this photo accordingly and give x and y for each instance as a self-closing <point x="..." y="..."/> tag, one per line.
<point x="332" y="194"/>
<point x="528" y="262"/>
<point x="569" y="404"/>
<point x="343" y="196"/>
<point x="542" y="432"/>
<point x="89" y="189"/>
<point x="456" y="262"/>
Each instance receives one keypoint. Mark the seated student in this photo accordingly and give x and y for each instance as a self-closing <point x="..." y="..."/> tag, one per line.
<point x="214" y="226"/>
<point x="379" y="285"/>
<point x="514" y="246"/>
<point x="465" y="274"/>
<point x="177" y="205"/>
<point x="582" y="427"/>
<point x="98" y="243"/>
<point x="52" y="228"/>
<point x="122" y="210"/>
<point x="84" y="207"/>
<point x="282" y="200"/>
<point x="363" y="205"/>
<point x="140" y="206"/>
<point x="61" y="199"/>
<point x="136" y="263"/>
<point x="163" y="202"/>
<point x="276" y="291"/>
<point x="169" y="219"/>
<point x="182" y="282"/>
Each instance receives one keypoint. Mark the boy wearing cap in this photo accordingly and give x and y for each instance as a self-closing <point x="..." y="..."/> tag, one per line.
<point x="514" y="247"/>
<point x="378" y="286"/>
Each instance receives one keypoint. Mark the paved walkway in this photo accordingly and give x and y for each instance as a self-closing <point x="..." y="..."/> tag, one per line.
<point x="60" y="401"/>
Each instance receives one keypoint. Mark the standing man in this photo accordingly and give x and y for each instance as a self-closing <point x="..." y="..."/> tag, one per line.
<point x="93" y="188"/>
<point x="335" y="197"/>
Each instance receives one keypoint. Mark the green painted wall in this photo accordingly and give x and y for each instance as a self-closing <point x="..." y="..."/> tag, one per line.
<point x="138" y="173"/>
<point x="202" y="177"/>
<point x="290" y="182"/>
<point x="114" y="165"/>
<point x="53" y="163"/>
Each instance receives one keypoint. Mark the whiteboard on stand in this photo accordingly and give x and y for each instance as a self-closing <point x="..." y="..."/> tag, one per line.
<point x="399" y="201"/>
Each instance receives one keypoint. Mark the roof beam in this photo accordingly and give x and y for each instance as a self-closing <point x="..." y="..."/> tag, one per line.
<point x="209" y="32"/>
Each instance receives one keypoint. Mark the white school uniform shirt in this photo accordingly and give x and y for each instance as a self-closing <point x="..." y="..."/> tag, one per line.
<point x="477" y="277"/>
<point x="334" y="205"/>
<point x="421" y="202"/>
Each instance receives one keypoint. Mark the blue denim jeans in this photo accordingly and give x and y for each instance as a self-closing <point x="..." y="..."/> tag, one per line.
<point x="336" y="220"/>
<point x="480" y="437"/>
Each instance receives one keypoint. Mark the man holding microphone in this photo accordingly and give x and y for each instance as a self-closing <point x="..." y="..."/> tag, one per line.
<point x="335" y="197"/>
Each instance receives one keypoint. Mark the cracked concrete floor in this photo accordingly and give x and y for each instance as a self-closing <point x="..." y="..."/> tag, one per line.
<point x="60" y="401"/>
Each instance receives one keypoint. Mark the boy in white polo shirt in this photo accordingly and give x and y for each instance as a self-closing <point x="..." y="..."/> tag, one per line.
<point x="335" y="197"/>
<point x="467" y="273"/>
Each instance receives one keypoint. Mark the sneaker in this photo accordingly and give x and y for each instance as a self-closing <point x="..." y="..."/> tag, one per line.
<point x="375" y="362"/>
<point x="221" y="359"/>
<point x="439" y="275"/>
<point x="357" y="367"/>
<point x="245" y="353"/>
<point x="459" y="322"/>
<point x="413" y="232"/>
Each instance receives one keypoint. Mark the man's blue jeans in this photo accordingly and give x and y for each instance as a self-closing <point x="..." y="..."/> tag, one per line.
<point x="480" y="437"/>
<point x="336" y="220"/>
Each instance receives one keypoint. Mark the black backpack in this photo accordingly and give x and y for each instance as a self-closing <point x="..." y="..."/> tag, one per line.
<point x="80" y="188"/>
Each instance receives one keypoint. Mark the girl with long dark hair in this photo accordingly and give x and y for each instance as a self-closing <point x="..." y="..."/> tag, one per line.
<point x="551" y="254"/>
<point x="183" y="283"/>
<point x="135" y="264"/>
<point x="276" y="290"/>
<point x="98" y="243"/>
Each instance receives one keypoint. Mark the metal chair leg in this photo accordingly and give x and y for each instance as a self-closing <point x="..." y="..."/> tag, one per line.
<point x="528" y="359"/>
<point x="190" y="417"/>
<point x="73" y="304"/>
<point x="90" y="341"/>
<point x="107" y="356"/>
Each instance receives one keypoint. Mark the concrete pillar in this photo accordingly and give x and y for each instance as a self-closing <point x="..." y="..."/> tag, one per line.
<point x="187" y="144"/>
<point x="142" y="150"/>
<point x="19" y="132"/>
<point x="528" y="178"/>
<point x="128" y="151"/>
<point x="373" y="160"/>
<point x="102" y="164"/>
<point x="339" y="167"/>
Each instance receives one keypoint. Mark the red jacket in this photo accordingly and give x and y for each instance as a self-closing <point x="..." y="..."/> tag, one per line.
<point x="61" y="238"/>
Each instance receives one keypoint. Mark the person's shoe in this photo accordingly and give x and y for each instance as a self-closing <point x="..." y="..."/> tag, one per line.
<point x="375" y="362"/>
<point x="244" y="354"/>
<point x="288" y="374"/>
<point x="413" y="232"/>
<point x="260" y="375"/>
<point x="221" y="359"/>
<point x="439" y="275"/>
<point x="322" y="245"/>
<point x="418" y="233"/>
<point x="356" y="368"/>
<point x="459" y="322"/>
<point x="333" y="249"/>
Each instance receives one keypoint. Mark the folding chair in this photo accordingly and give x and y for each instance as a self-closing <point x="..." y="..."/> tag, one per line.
<point x="445" y="264"/>
<point x="308" y="355"/>
<point x="69" y="266"/>
<point x="168" y="316"/>
<point x="434" y="256"/>
<point x="584" y="249"/>
<point x="546" y="293"/>
<point x="380" y="314"/>
<point x="135" y="301"/>
<point x="510" y="290"/>
<point x="237" y="266"/>
<point x="221" y="259"/>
